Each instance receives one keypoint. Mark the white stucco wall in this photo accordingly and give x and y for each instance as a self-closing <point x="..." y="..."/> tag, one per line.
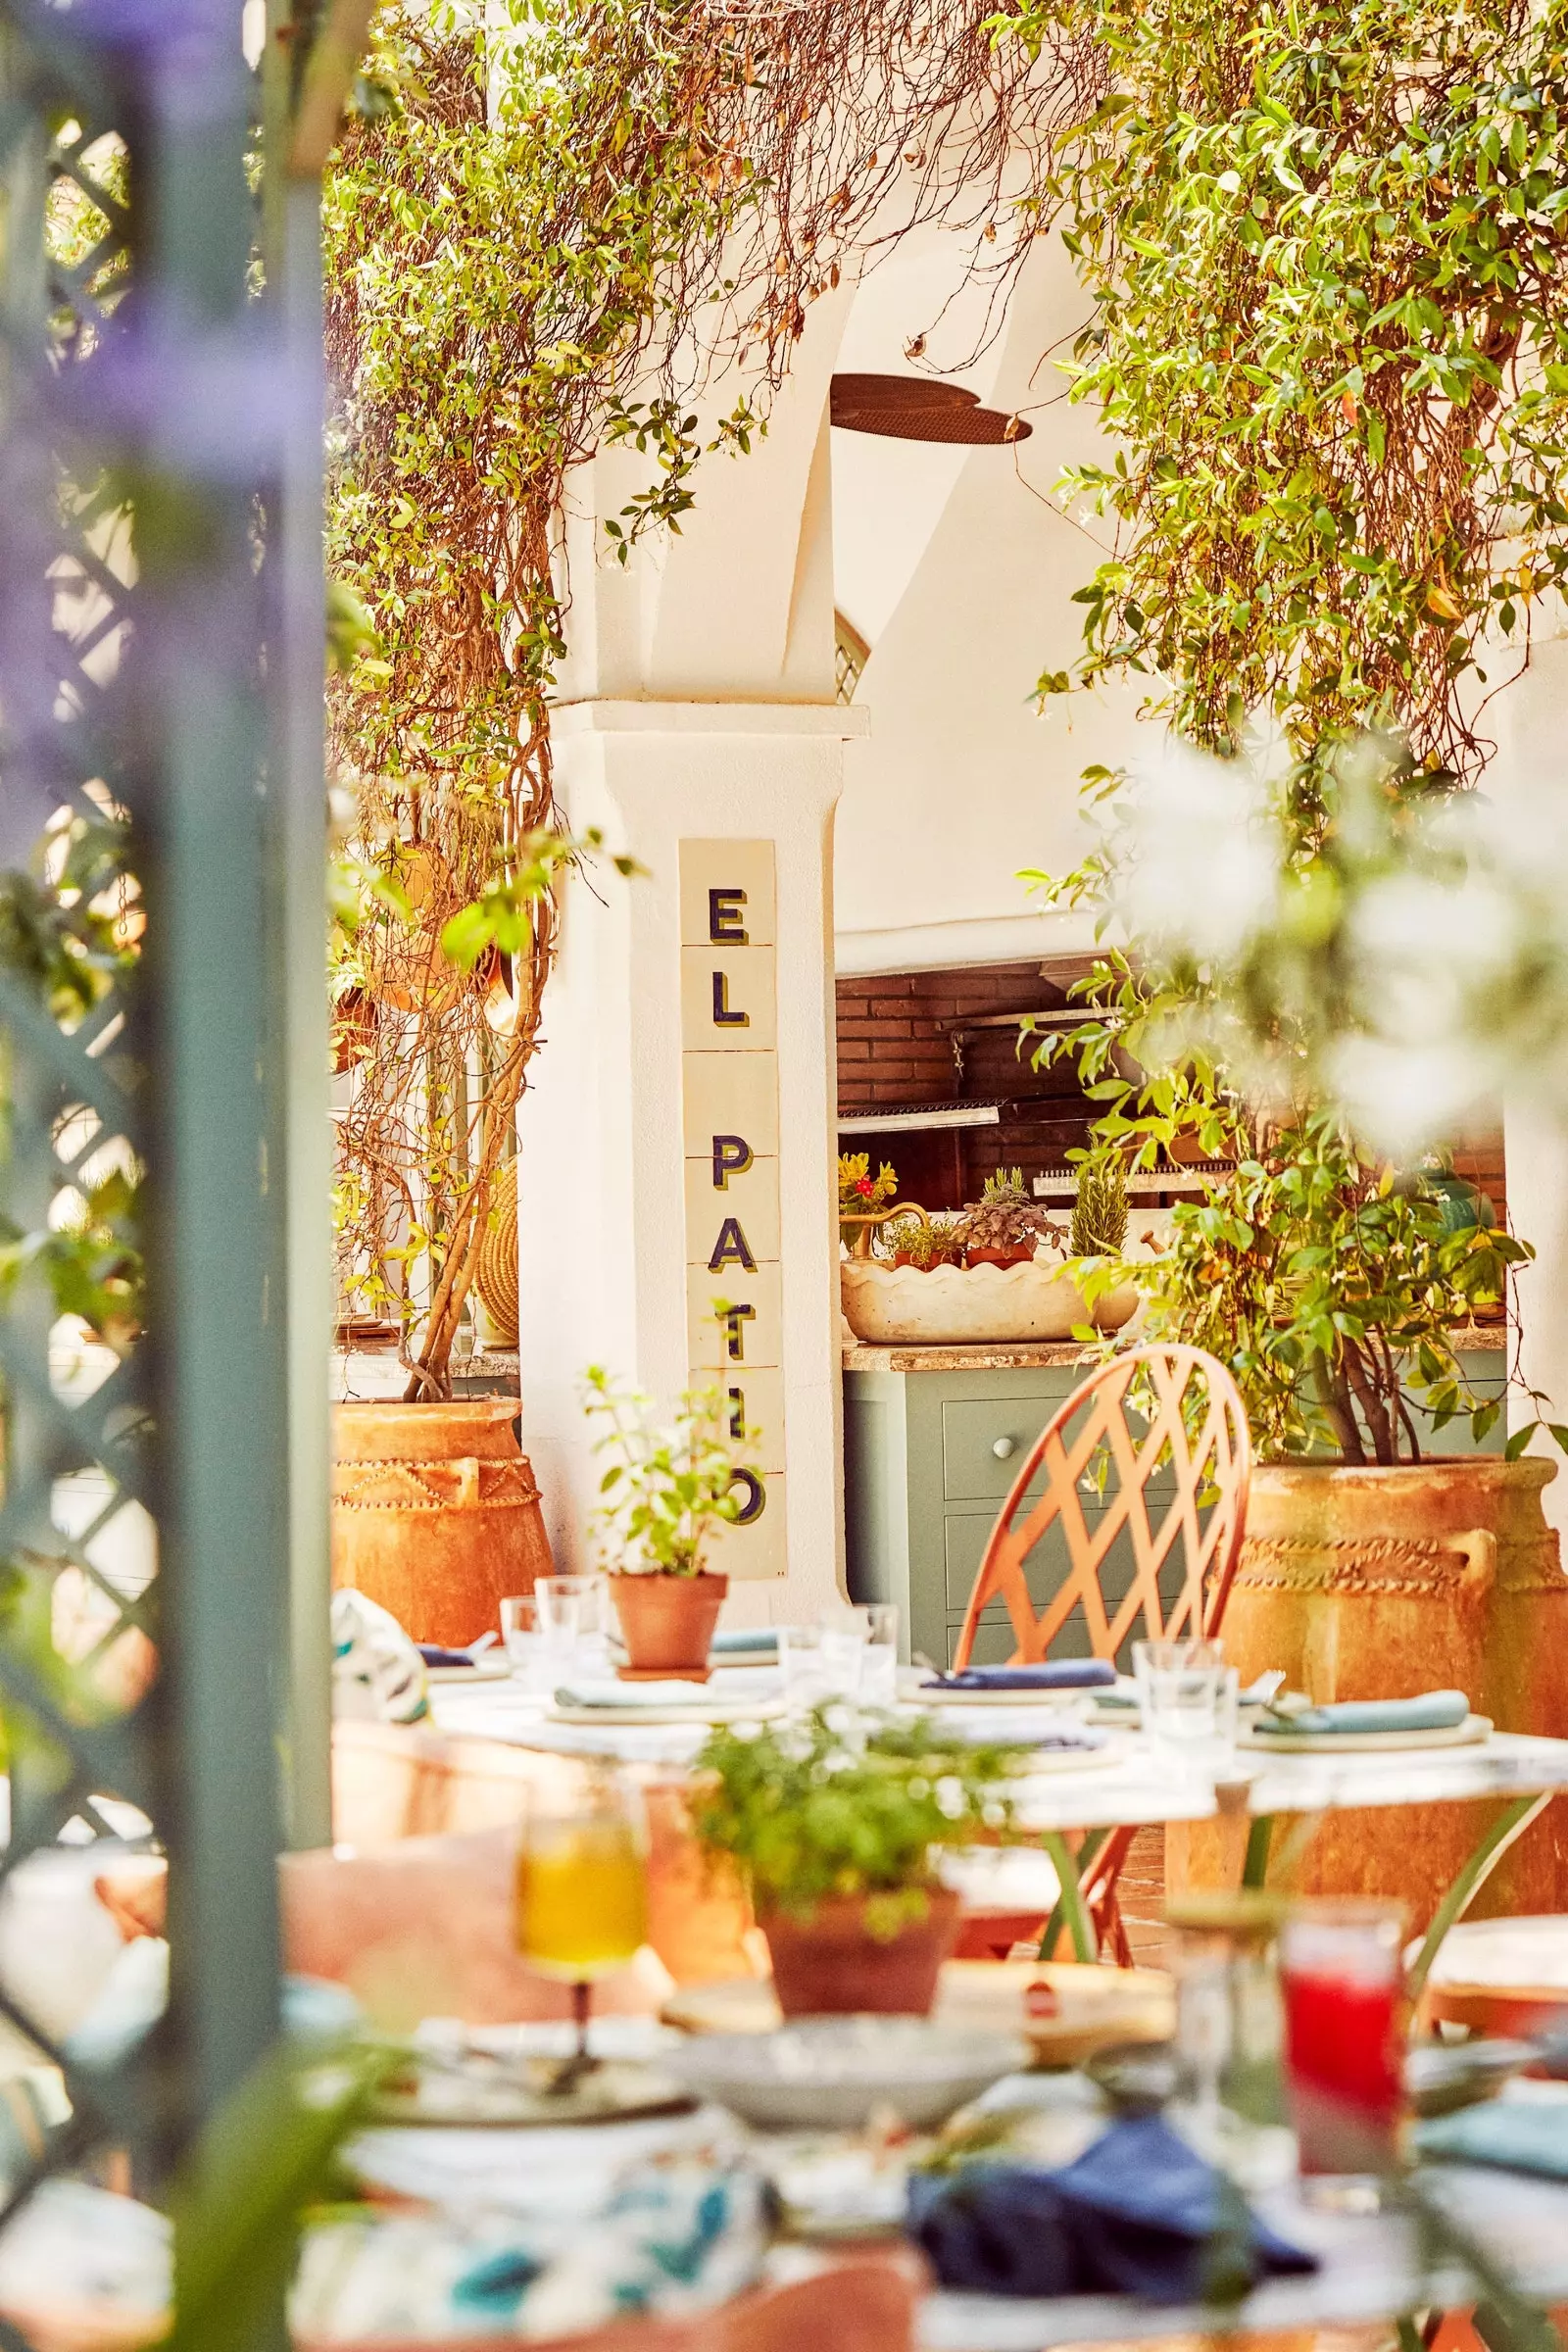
<point x="960" y="567"/>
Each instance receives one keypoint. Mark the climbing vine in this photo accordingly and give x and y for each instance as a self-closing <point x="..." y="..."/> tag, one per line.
<point x="541" y="237"/>
<point x="1325" y="250"/>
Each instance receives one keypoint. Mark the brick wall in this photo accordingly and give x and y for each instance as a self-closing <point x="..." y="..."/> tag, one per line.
<point x="894" y="1052"/>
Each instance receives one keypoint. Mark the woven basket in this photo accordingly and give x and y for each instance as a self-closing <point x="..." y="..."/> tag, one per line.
<point x="497" y="1278"/>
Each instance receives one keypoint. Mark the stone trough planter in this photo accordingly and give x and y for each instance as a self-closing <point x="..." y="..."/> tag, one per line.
<point x="958" y="1306"/>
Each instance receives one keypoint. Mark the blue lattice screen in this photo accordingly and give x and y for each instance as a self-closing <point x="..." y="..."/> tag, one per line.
<point x="144" y="1519"/>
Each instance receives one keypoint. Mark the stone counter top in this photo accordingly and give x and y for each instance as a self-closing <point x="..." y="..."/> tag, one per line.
<point x="991" y="1355"/>
<point x="1002" y="1355"/>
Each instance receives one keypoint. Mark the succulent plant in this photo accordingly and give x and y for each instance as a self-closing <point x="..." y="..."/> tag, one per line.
<point x="1098" y="1226"/>
<point x="1006" y="1217"/>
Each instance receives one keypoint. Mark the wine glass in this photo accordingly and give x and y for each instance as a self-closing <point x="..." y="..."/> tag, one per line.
<point x="582" y="1894"/>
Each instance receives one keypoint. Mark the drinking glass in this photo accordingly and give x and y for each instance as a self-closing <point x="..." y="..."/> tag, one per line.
<point x="1188" y="1699"/>
<point x="1231" y="2102"/>
<point x="564" y="1604"/>
<point x="1341" y="1974"/>
<point x="582" y="1895"/>
<point x="801" y="1667"/>
<point x="879" y="1666"/>
<point x="519" y="1631"/>
<point x="842" y="1653"/>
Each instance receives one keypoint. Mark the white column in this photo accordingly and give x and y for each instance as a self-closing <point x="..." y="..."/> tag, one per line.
<point x="698" y="726"/>
<point x="604" y="1241"/>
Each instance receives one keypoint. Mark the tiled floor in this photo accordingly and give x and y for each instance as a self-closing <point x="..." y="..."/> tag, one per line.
<point x="1143" y="1898"/>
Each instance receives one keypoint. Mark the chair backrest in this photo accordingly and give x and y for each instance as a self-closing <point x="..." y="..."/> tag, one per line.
<point x="1201" y="1522"/>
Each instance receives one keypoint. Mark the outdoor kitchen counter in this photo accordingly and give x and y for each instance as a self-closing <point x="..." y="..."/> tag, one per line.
<point x="933" y="1439"/>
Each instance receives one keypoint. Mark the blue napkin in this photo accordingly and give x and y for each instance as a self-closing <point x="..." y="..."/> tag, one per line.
<point x="1432" y="1711"/>
<point x="1056" y="1674"/>
<point x="434" y="1656"/>
<point x="746" y="1641"/>
<point x="1521" y="2136"/>
<point x="1140" y="2213"/>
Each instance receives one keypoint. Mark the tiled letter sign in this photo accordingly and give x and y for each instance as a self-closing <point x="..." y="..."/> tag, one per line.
<point x="729" y="1038"/>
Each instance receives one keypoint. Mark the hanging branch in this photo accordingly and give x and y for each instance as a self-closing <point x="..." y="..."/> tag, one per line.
<point x="526" y="228"/>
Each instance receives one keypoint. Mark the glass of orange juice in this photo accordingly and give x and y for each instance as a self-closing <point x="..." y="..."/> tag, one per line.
<point x="582" y="1891"/>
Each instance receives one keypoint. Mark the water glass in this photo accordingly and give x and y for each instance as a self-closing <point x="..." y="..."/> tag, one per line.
<point x="1340" y="1973"/>
<point x="843" y="1653"/>
<point x="1188" y="1699"/>
<point x="519" y="1631"/>
<point x="801" y="1666"/>
<point x="568" y="1612"/>
<point x="1231" y="2101"/>
<point x="879" y="1666"/>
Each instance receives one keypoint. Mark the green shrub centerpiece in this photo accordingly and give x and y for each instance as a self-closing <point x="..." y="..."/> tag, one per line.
<point x="838" y="1805"/>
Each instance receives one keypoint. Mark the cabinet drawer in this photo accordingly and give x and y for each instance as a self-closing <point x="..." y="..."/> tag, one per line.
<point x="973" y="1471"/>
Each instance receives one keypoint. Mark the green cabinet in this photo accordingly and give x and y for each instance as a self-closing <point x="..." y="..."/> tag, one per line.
<point x="928" y="1459"/>
<point x="929" y="1456"/>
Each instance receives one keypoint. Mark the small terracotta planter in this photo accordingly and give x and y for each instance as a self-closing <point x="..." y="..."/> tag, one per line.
<point x="998" y="1257"/>
<point x="829" y="1963"/>
<point x="668" y="1622"/>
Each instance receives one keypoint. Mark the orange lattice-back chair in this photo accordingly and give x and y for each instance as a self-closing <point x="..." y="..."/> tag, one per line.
<point x="1184" y="1540"/>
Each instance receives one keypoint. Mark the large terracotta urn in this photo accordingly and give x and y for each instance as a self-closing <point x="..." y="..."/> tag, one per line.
<point x="1379" y="1582"/>
<point x="435" y="1513"/>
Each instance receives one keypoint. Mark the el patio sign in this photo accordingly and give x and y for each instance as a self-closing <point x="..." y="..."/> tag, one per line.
<point x="730" y="1057"/>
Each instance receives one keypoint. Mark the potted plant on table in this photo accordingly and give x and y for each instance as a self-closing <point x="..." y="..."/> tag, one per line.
<point x="836" y="1822"/>
<point x="664" y="1497"/>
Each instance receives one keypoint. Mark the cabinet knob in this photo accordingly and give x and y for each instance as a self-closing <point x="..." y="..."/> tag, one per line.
<point x="1004" y="1446"/>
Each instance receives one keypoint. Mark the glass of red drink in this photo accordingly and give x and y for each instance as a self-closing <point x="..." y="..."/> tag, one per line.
<point x="1341" y="1973"/>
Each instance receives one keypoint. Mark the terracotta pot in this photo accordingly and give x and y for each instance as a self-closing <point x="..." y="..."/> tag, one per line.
<point x="830" y="1962"/>
<point x="1379" y="1582"/>
<point x="667" y="1621"/>
<point x="435" y="1513"/>
<point x="998" y="1257"/>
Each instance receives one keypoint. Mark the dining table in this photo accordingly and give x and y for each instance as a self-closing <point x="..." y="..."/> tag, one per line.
<point x="1375" y="2261"/>
<point x="1262" y="1796"/>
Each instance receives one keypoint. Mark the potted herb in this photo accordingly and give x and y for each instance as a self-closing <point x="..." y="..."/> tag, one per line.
<point x="922" y="1243"/>
<point x="1006" y="1226"/>
<point x="663" y="1498"/>
<point x="1098" y="1225"/>
<point x="836" y="1822"/>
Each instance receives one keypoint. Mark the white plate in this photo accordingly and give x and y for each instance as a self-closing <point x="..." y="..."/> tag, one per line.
<point x="713" y="1710"/>
<point x="1469" y="1733"/>
<point x="827" y="2074"/>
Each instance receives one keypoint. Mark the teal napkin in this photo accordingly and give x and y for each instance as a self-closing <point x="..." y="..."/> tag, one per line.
<point x="761" y="1641"/>
<point x="1432" y="1711"/>
<point x="1522" y="2135"/>
<point x="633" y="1694"/>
